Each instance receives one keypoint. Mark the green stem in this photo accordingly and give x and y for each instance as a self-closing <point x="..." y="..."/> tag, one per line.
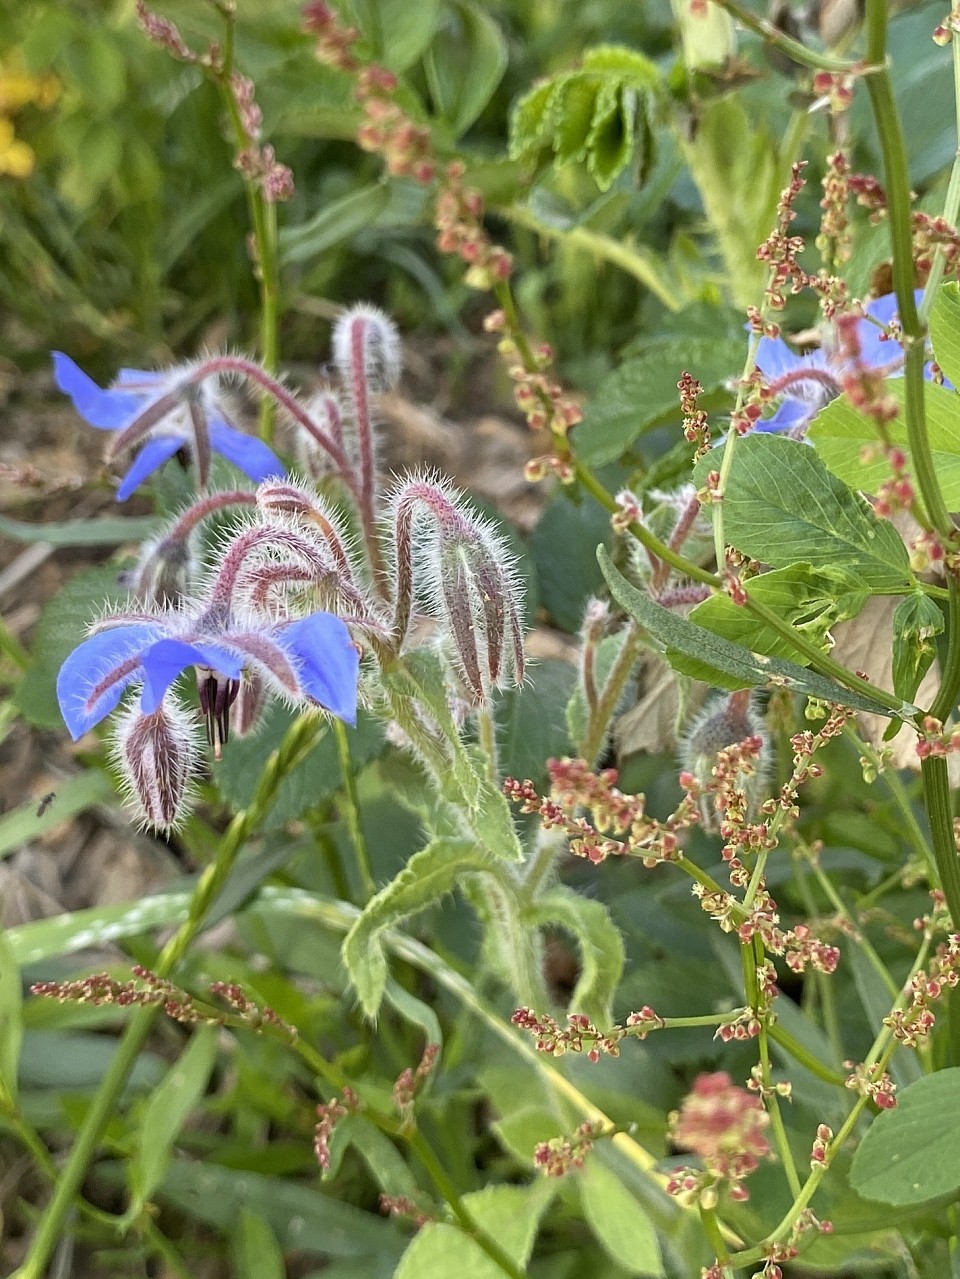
<point x="900" y="797"/>
<point x="876" y="963"/>
<point x="438" y="1175"/>
<point x="605" y="247"/>
<point x="607" y="702"/>
<point x="350" y="810"/>
<point x="263" y="219"/>
<point x="772" y="1103"/>
<point x="951" y="204"/>
<point x="805" y="1057"/>
<point x="779" y="40"/>
<point x="936" y="791"/>
<point x="711" y="1228"/>
<point x="298" y="743"/>
<point x="828" y="1005"/>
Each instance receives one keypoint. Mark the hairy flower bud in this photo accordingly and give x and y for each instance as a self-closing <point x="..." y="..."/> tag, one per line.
<point x="724" y="723"/>
<point x="459" y="569"/>
<point x="157" y="755"/>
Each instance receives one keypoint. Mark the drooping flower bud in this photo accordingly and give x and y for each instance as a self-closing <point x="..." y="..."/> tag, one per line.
<point x="461" y="572"/>
<point x="157" y="755"/>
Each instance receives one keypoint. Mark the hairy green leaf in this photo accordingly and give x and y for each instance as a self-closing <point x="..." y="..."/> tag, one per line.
<point x="728" y="665"/>
<point x="599" y="943"/>
<point x="429" y="875"/>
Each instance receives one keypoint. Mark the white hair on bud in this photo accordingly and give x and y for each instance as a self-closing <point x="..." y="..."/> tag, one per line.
<point x="379" y="343"/>
<point x="157" y="756"/>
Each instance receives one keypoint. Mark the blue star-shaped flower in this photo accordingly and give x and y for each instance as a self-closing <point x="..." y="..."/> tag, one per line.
<point x="161" y="414"/>
<point x="311" y="661"/>
<point x="806" y="383"/>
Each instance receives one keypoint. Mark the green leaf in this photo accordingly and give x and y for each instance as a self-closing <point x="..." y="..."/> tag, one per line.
<point x="945" y="330"/>
<point x="810" y="599"/>
<point x="563" y="547"/>
<point x="71" y="797"/>
<point x="642" y="394"/>
<point x="337" y="221"/>
<point x="464" y="64"/>
<point x="529" y="120"/>
<point x="429" y="876"/>
<point x="509" y="1214"/>
<point x="612" y="134"/>
<point x="398" y="31"/>
<point x="782" y="506"/>
<point x="841" y="434"/>
<point x="254" y="1248"/>
<point x="599" y="942"/>
<point x="729" y="665"/>
<point x="573" y="105"/>
<point x="312" y="782"/>
<point x="916" y="621"/>
<point x="62" y="626"/>
<point x="387" y="1166"/>
<point x="618" y="1220"/>
<point x="66" y="934"/>
<point x="530" y="720"/>
<point x="167" y="1111"/>
<point x="11" y="1026"/>
<point x="300" y="1217"/>
<point x="912" y="1154"/>
<point x="105" y="532"/>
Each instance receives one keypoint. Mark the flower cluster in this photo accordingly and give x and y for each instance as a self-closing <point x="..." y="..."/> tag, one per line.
<point x="329" y="1115"/>
<point x="410" y="1083"/>
<point x="914" y="1022"/>
<point x="560" y="1155"/>
<point x="725" y="1125"/>
<point x="406" y="1209"/>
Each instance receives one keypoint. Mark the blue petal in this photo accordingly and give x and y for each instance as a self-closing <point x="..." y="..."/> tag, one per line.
<point x="150" y="458"/>
<point x="89" y="664"/>
<point x="789" y="415"/>
<point x="329" y="664"/>
<point x="246" y="452"/>
<point x="774" y="358"/>
<point x="108" y="410"/>
<point x="165" y="660"/>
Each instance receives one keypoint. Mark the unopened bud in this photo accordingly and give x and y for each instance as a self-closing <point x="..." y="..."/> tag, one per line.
<point x="157" y="755"/>
<point x="365" y="339"/>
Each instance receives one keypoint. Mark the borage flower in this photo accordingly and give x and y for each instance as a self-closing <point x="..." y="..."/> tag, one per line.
<point x="163" y="414"/>
<point x="308" y="662"/>
<point x="807" y="383"/>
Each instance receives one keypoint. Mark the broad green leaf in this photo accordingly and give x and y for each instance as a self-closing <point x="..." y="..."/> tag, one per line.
<point x="782" y="506"/>
<point x="945" y="331"/>
<point x="301" y="1217"/>
<point x="810" y="599"/>
<point x="11" y="1026"/>
<point x="508" y="1214"/>
<point x="563" y="547"/>
<point x="522" y="1130"/>
<point x="465" y="63"/>
<point x="167" y="1111"/>
<point x="530" y="720"/>
<point x="387" y="1166"/>
<point x="254" y="1248"/>
<point x="312" y="782"/>
<point x="912" y="1154"/>
<point x="430" y="874"/>
<point x="731" y="665"/>
<point x="618" y="1220"/>
<point x="112" y="531"/>
<point x="599" y="943"/>
<point x="841" y="434"/>
<point x="642" y="393"/>
<point x="915" y="623"/>
<point x="336" y="222"/>
<point x="397" y="31"/>
<point x="62" y="626"/>
<point x="72" y="796"/>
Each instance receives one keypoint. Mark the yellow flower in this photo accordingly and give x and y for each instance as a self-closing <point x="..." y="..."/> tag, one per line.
<point x="17" y="91"/>
<point x="16" y="158"/>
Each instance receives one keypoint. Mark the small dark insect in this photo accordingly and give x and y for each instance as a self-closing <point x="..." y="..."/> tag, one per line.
<point x="46" y="802"/>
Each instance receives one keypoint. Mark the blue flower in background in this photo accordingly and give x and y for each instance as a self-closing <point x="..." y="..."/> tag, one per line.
<point x="162" y="414"/>
<point x="807" y="383"/>
<point x="310" y="661"/>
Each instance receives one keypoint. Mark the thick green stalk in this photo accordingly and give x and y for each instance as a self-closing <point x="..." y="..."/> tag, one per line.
<point x="298" y="743"/>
